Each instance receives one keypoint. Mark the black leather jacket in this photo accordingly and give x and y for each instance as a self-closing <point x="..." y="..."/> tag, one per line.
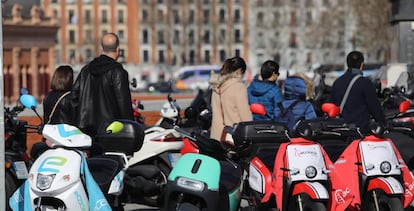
<point x="101" y="93"/>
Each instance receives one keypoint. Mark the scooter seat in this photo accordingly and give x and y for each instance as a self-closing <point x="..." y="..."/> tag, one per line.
<point x="230" y="177"/>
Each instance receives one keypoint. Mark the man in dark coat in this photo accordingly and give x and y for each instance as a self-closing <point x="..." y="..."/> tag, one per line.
<point x="101" y="91"/>
<point x="362" y="101"/>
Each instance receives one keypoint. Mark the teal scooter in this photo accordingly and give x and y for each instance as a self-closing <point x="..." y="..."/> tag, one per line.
<point x="207" y="177"/>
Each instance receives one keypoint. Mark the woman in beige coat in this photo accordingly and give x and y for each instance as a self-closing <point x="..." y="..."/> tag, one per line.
<point x="229" y="100"/>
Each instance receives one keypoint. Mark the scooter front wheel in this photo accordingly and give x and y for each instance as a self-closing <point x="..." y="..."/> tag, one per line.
<point x="385" y="203"/>
<point x="307" y="204"/>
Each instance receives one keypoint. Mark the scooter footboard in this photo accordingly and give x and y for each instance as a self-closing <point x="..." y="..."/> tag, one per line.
<point x="390" y="185"/>
<point x="314" y="190"/>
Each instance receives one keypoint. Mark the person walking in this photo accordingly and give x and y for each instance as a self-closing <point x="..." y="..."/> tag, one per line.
<point x="266" y="91"/>
<point x="57" y="107"/>
<point x="298" y="90"/>
<point x="356" y="95"/>
<point x="229" y="101"/>
<point x="101" y="91"/>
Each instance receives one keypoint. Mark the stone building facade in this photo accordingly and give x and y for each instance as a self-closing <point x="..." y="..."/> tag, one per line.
<point x="28" y="50"/>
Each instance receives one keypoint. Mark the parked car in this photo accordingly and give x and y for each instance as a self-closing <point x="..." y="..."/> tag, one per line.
<point x="161" y="86"/>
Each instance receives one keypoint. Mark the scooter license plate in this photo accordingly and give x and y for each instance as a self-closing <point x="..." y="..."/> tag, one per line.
<point x="20" y="169"/>
<point x="174" y="157"/>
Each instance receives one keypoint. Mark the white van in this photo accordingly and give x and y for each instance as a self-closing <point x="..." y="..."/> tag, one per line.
<point x="194" y="77"/>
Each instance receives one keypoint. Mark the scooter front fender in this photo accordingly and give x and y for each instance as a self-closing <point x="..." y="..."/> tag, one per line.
<point x="260" y="178"/>
<point x="314" y="190"/>
<point x="389" y="185"/>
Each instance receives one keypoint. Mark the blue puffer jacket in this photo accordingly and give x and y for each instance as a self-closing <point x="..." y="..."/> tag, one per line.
<point x="295" y="90"/>
<point x="266" y="93"/>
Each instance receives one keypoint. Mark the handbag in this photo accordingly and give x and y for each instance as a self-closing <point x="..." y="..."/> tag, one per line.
<point x="55" y="106"/>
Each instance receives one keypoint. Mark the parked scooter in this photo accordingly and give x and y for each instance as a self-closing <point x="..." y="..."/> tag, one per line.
<point x="293" y="173"/>
<point x="207" y="180"/>
<point x="376" y="173"/>
<point x="63" y="179"/>
<point x="16" y="160"/>
<point x="149" y="167"/>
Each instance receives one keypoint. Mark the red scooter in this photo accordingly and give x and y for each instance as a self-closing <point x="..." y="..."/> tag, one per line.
<point x="376" y="173"/>
<point x="304" y="177"/>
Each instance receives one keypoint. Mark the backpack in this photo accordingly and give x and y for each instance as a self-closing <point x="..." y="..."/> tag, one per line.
<point x="287" y="116"/>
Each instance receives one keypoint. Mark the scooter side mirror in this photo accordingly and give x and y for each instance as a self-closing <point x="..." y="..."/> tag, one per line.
<point x="257" y="108"/>
<point x="404" y="106"/>
<point x="114" y="127"/>
<point x="28" y="101"/>
<point x="330" y="109"/>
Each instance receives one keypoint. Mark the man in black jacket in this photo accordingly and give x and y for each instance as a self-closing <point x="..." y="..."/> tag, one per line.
<point x="101" y="91"/>
<point x="362" y="101"/>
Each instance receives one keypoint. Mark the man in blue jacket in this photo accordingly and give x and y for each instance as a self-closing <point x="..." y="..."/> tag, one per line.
<point x="362" y="101"/>
<point x="266" y="91"/>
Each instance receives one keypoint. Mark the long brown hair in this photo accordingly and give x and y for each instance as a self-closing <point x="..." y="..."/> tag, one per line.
<point x="62" y="78"/>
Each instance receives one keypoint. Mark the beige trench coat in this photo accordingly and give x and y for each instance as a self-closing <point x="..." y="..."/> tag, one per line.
<point x="234" y="102"/>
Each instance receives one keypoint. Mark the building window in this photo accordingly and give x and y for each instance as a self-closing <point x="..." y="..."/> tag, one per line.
<point x="176" y="39"/>
<point x="222" y="55"/>
<point x="72" y="17"/>
<point x="121" y="36"/>
<point x="191" y="37"/>
<point x="207" y="56"/>
<point x="308" y="18"/>
<point x="160" y="16"/>
<point x="292" y="42"/>
<point x="71" y="36"/>
<point x="104" y="16"/>
<point x="161" y="37"/>
<point x="145" y="55"/>
<point x="207" y="37"/>
<point x="88" y="53"/>
<point x="145" y="36"/>
<point x="222" y="36"/>
<point x="176" y="16"/>
<point x="206" y="15"/>
<point x="88" y="36"/>
<point x="192" y="57"/>
<point x="260" y="19"/>
<point x="191" y="16"/>
<point x="144" y="15"/>
<point x="222" y="16"/>
<point x="72" y="56"/>
<point x="88" y="16"/>
<point x="161" y="58"/>
<point x="237" y="52"/>
<point x="237" y="36"/>
<point x="237" y="15"/>
<point x="120" y="16"/>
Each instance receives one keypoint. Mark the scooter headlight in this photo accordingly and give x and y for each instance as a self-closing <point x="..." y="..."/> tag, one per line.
<point x="310" y="172"/>
<point x="44" y="181"/>
<point x="385" y="167"/>
<point x="190" y="184"/>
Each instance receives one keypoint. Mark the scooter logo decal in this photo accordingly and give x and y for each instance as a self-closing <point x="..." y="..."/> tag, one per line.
<point x="67" y="133"/>
<point x="299" y="153"/>
<point x="340" y="195"/>
<point x="49" y="162"/>
<point x="100" y="204"/>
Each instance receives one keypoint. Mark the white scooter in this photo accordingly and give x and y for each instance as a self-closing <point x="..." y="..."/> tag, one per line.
<point x="150" y="166"/>
<point x="62" y="178"/>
